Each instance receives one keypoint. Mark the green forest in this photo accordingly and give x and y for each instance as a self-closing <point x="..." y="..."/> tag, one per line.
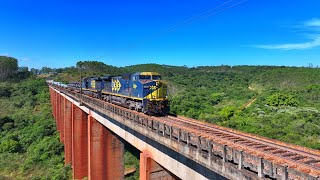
<point x="273" y="101"/>
<point x="29" y="143"/>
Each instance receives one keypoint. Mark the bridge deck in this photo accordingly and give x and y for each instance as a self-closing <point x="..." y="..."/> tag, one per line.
<point x="204" y="143"/>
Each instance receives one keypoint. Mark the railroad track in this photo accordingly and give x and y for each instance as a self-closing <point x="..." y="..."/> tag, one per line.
<point x="303" y="159"/>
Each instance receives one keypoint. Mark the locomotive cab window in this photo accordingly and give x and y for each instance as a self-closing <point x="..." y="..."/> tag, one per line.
<point x="144" y="77"/>
<point x="134" y="78"/>
<point x="155" y="77"/>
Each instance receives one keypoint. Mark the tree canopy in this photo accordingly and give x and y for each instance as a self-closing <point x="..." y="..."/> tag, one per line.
<point x="8" y="66"/>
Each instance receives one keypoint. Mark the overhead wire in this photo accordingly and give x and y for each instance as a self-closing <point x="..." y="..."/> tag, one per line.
<point x="218" y="11"/>
<point x="199" y="15"/>
<point x="215" y="10"/>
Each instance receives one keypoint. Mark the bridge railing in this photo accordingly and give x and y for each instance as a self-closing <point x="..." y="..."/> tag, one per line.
<point x="200" y="148"/>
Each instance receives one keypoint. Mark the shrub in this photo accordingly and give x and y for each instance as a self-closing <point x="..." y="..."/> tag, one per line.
<point x="281" y="99"/>
<point x="227" y="112"/>
<point x="8" y="126"/>
<point x="5" y="92"/>
<point x="10" y="146"/>
<point x="216" y="98"/>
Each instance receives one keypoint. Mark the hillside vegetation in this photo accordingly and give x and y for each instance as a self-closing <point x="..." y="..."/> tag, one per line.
<point x="29" y="143"/>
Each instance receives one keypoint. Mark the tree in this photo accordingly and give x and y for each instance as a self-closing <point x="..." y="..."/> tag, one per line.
<point x="34" y="71"/>
<point x="46" y="70"/>
<point x="93" y="66"/>
<point x="96" y="68"/>
<point x="23" y="69"/>
<point x="8" y="66"/>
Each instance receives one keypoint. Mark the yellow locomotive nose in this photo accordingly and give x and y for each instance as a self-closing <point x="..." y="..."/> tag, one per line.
<point x="161" y="90"/>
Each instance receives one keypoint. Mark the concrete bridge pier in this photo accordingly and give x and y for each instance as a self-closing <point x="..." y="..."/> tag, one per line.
<point x="55" y="108"/>
<point x="58" y="114"/>
<point x="67" y="131"/>
<point x="79" y="143"/>
<point x="105" y="152"/>
<point x="61" y="118"/>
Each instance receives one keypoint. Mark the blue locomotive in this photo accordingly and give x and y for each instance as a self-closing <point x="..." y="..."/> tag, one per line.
<point x="141" y="91"/>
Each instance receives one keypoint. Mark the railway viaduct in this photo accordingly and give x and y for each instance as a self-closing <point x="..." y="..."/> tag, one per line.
<point x="93" y="133"/>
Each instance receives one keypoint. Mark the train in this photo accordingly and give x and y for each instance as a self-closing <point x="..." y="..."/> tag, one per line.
<point x="141" y="91"/>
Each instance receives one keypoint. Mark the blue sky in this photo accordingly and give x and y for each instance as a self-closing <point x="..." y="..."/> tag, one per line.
<point x="59" y="33"/>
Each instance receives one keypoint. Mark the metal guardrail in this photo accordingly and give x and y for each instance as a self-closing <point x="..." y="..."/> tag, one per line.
<point x="196" y="141"/>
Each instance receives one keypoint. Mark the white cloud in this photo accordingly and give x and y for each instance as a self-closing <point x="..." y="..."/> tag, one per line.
<point x="314" y="42"/>
<point x="294" y="46"/>
<point x="24" y="59"/>
<point x="4" y="54"/>
<point x="24" y="62"/>
<point x="313" y="23"/>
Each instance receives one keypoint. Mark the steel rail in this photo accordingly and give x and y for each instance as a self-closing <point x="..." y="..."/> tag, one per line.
<point x="251" y="137"/>
<point x="250" y="142"/>
<point x="309" y="151"/>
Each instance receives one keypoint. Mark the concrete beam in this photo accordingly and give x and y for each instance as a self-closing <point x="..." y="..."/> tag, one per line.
<point x="67" y="131"/>
<point x="79" y="143"/>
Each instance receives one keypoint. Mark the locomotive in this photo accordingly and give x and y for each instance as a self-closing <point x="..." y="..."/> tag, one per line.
<point x="142" y="91"/>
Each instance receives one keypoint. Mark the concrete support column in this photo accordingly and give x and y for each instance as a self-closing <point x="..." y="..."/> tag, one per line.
<point x="51" y="98"/>
<point x="62" y="109"/>
<point x="115" y="155"/>
<point x="97" y="156"/>
<point x="54" y="105"/>
<point x="144" y="166"/>
<point x="79" y="143"/>
<point x="151" y="170"/>
<point x="105" y="152"/>
<point x="58" y="112"/>
<point x="67" y="131"/>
